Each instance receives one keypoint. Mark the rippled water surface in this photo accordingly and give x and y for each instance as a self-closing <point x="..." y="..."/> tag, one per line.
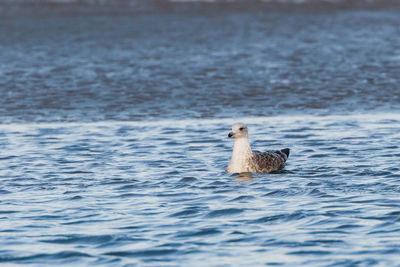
<point x="157" y="194"/>
<point x="114" y="118"/>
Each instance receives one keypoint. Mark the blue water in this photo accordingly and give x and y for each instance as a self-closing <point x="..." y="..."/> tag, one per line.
<point x="156" y="193"/>
<point x="114" y="120"/>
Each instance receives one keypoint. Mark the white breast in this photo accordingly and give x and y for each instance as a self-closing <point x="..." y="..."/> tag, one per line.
<point x="242" y="157"/>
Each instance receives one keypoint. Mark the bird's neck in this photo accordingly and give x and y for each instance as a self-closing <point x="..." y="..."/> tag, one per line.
<point x="241" y="155"/>
<point x="241" y="148"/>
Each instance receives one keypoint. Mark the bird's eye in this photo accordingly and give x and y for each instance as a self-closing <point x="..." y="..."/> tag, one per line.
<point x="241" y="128"/>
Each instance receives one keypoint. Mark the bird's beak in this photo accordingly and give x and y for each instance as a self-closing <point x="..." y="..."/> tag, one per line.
<point x="230" y="134"/>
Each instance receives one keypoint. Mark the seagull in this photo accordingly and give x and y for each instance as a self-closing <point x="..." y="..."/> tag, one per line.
<point x="244" y="159"/>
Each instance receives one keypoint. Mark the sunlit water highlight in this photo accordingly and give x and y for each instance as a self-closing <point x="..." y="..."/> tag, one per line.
<point x="155" y="193"/>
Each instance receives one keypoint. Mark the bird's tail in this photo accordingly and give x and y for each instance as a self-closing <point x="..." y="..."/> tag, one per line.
<point x="286" y="151"/>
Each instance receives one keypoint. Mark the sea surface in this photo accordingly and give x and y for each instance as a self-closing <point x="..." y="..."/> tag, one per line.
<point x="114" y="118"/>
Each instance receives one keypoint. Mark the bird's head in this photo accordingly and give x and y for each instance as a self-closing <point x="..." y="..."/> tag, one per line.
<point x="238" y="130"/>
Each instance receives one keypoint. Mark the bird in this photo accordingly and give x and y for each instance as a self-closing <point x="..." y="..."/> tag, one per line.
<point x="245" y="160"/>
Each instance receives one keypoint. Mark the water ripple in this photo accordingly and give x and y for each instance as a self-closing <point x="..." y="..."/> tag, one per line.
<point x="121" y="202"/>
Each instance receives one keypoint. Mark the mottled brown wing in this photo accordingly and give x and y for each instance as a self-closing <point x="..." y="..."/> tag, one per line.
<point x="269" y="161"/>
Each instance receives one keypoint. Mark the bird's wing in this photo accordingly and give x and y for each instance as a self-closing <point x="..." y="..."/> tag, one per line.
<point x="269" y="161"/>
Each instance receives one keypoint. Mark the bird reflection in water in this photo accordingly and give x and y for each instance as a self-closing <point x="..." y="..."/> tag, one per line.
<point x="244" y="177"/>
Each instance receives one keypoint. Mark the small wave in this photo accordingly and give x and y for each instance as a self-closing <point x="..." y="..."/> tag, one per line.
<point x="202" y="232"/>
<point x="185" y="213"/>
<point x="242" y="198"/>
<point x="280" y="217"/>
<point x="224" y="212"/>
<point x="78" y="239"/>
<point x="44" y="256"/>
<point x="310" y="252"/>
<point x="142" y="253"/>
